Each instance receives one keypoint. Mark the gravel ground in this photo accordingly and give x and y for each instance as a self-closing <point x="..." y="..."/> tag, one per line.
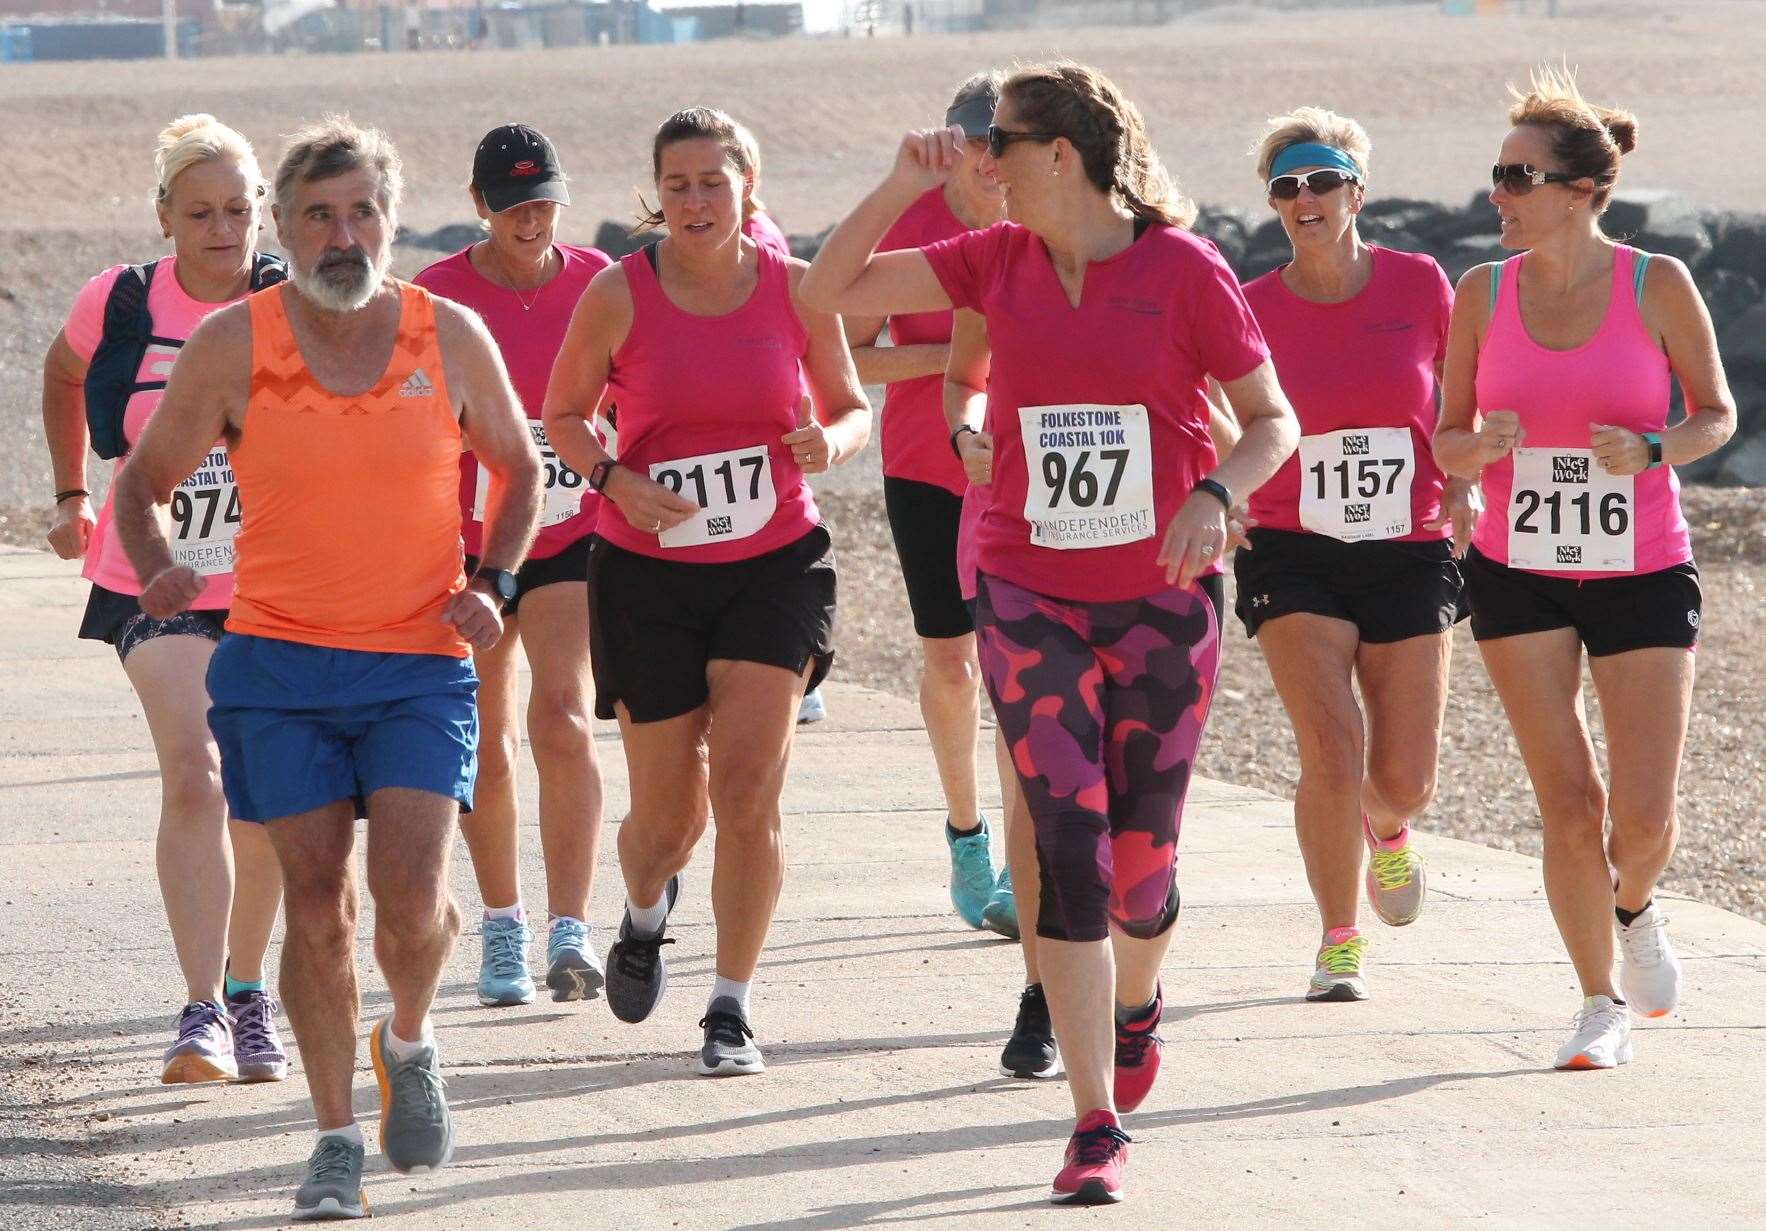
<point x="1483" y="794"/>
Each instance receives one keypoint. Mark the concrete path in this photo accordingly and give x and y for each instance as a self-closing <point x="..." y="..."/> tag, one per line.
<point x="1432" y="1105"/>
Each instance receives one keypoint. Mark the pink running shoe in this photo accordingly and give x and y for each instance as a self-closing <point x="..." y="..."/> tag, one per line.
<point x="1096" y="1155"/>
<point x="1138" y="1051"/>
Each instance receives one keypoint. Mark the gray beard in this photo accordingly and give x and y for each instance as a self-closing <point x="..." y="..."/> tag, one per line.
<point x="328" y="293"/>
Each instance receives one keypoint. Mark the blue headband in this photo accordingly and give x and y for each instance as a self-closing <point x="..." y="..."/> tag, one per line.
<point x="1311" y="154"/>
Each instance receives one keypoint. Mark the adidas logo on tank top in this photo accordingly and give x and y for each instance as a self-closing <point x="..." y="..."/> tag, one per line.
<point x="417" y="385"/>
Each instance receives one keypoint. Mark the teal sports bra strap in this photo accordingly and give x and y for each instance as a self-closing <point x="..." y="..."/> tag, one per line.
<point x="1640" y="266"/>
<point x="1495" y="287"/>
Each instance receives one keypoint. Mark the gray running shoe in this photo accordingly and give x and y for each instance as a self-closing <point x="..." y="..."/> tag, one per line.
<point x="255" y="1042"/>
<point x="333" y="1188"/>
<point x="636" y="973"/>
<point x="416" y="1130"/>
<point x="573" y="972"/>
<point x="729" y="1049"/>
<point x="204" y="1050"/>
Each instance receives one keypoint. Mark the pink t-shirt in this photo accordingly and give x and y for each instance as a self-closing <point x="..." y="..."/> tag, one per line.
<point x="765" y="232"/>
<point x="205" y="507"/>
<point x="1110" y="396"/>
<point x="975" y="498"/>
<point x="1366" y="363"/>
<point x="1569" y="511"/>
<point x="529" y="328"/>
<point x="916" y="442"/>
<point x="703" y="402"/>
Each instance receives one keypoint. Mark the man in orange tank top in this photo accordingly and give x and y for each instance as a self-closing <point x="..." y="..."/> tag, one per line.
<point x="344" y="686"/>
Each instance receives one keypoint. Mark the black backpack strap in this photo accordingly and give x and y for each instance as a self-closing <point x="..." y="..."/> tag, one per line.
<point x="267" y="270"/>
<point x="113" y="372"/>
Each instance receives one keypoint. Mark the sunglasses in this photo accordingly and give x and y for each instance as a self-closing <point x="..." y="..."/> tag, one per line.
<point x="1521" y="178"/>
<point x="1287" y="187"/>
<point x="999" y="138"/>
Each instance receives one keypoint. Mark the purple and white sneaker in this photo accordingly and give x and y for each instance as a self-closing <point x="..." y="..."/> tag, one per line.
<point x="204" y="1050"/>
<point x="255" y="1044"/>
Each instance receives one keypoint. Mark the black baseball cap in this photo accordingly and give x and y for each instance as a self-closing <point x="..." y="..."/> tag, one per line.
<point x="516" y="164"/>
<point x="973" y="115"/>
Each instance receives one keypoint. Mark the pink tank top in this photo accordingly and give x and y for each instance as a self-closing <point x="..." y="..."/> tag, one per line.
<point x="1550" y="509"/>
<point x="703" y="401"/>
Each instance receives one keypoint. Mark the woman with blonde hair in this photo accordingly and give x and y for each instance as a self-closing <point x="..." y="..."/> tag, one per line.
<point x="1559" y="367"/>
<point x="102" y="380"/>
<point x="1098" y="589"/>
<point x="1349" y="576"/>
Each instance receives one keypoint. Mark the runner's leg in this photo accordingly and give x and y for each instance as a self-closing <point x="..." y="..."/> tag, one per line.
<point x="1404" y="690"/>
<point x="257" y="900"/>
<point x="1020" y="855"/>
<point x="491" y="829"/>
<point x="950" y="703"/>
<point x="1645" y="701"/>
<point x="410" y="840"/>
<point x="670" y="808"/>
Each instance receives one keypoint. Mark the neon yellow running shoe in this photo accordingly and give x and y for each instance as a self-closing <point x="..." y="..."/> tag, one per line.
<point x="1338" y="975"/>
<point x="1396" y="879"/>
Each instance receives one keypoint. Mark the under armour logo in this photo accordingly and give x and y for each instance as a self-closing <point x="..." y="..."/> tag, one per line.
<point x="1692" y="618"/>
<point x="1260" y="600"/>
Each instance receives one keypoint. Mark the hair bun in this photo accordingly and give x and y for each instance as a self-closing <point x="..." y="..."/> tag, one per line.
<point x="1621" y="126"/>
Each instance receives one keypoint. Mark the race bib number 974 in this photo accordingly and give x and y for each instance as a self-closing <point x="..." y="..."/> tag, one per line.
<point x="1355" y="484"/>
<point x="205" y="516"/>
<point x="1567" y="514"/>
<point x="1091" y="475"/>
<point x="734" y="492"/>
<point x="564" y="486"/>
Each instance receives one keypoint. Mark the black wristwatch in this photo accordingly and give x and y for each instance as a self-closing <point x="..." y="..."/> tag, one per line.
<point x="1217" y="490"/>
<point x="598" y="473"/>
<point x="954" y="447"/>
<point x="502" y="582"/>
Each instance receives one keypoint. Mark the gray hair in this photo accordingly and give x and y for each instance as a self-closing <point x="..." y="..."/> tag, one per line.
<point x="337" y="145"/>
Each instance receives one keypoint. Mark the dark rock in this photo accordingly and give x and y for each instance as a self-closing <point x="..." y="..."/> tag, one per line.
<point x="1658" y="220"/>
<point x="1229" y="229"/>
<point x="805" y="247"/>
<point x="1744" y="463"/>
<point x="616" y="239"/>
<point x="450" y="238"/>
<point x="1739" y="244"/>
<point x="1463" y="254"/>
<point x="1728" y="293"/>
<point x="1743" y="341"/>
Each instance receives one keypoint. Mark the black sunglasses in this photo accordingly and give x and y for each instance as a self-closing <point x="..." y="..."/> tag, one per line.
<point x="999" y="138"/>
<point x="1521" y="178"/>
<point x="1287" y="187"/>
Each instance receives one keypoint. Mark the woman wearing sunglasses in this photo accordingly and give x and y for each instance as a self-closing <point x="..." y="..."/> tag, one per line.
<point x="1098" y="589"/>
<point x="1350" y="574"/>
<point x="1556" y="393"/>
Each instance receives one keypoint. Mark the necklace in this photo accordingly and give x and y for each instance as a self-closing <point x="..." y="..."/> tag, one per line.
<point x="509" y="283"/>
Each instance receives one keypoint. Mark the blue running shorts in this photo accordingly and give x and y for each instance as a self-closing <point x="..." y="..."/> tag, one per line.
<point x="301" y="726"/>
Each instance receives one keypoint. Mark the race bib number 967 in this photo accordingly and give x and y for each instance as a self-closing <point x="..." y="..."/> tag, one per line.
<point x="1567" y="514"/>
<point x="1091" y="475"/>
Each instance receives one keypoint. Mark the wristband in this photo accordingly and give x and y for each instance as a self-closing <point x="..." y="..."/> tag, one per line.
<point x="953" y="438"/>
<point x="1654" y="441"/>
<point x="70" y="493"/>
<point x="1217" y="490"/>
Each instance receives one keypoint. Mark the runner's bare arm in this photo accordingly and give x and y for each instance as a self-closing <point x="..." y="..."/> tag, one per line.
<point x="64" y="428"/>
<point x="965" y="393"/>
<point x="1463" y="445"/>
<point x="850" y="275"/>
<point x="1223" y="425"/>
<point x="884" y="365"/>
<point x="1674" y="310"/>
<point x="842" y="420"/>
<point x="490" y="411"/>
<point x="204" y="401"/>
<point x="578" y="388"/>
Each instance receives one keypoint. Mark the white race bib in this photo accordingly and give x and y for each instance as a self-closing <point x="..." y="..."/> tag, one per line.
<point x="1091" y="475"/>
<point x="1355" y="484"/>
<point x="564" y="486"/>
<point x="205" y="516"/>
<point x="1567" y="514"/>
<point x="734" y="492"/>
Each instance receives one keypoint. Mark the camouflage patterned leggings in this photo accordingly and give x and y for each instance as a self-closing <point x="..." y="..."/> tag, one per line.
<point x="1102" y="706"/>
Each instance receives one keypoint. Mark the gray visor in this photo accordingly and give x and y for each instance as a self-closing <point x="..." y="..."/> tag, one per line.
<point x="974" y="116"/>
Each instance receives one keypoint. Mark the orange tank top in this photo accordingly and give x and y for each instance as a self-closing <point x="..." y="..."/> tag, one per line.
<point x="350" y="535"/>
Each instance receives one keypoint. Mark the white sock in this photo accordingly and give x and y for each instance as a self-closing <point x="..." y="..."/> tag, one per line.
<point x="722" y="987"/>
<point x="402" y="1050"/>
<point x="351" y="1132"/>
<point x="516" y="911"/>
<point x="648" y="920"/>
<point x="557" y="919"/>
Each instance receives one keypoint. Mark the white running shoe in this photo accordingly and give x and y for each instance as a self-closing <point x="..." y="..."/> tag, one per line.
<point x="1602" y="1039"/>
<point x="1650" y="973"/>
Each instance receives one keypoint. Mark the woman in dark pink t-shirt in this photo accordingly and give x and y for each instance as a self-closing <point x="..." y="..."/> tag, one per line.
<point x="711" y="575"/>
<point x="1098" y="552"/>
<point x="1349" y="574"/>
<point x="525" y="285"/>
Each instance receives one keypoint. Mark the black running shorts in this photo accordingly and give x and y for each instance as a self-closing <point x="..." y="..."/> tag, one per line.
<point x="923" y="519"/>
<point x="1391" y="591"/>
<point x="1610" y="614"/>
<point x="571" y="564"/>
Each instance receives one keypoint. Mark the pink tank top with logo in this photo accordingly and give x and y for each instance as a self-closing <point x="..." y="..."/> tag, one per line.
<point x="703" y="402"/>
<point x="1550" y="508"/>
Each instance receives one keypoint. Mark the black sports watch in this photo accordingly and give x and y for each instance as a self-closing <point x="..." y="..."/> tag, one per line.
<point x="1216" y="489"/>
<point x="502" y="581"/>
<point x="599" y="472"/>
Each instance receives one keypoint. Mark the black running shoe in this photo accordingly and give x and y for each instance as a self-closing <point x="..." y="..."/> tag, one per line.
<point x="1031" y="1052"/>
<point x="636" y="971"/>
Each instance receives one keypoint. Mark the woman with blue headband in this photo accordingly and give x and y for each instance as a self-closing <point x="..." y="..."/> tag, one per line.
<point x="1351" y="575"/>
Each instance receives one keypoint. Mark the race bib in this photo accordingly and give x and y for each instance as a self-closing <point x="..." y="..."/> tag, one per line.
<point x="205" y="516"/>
<point x="1091" y="475"/>
<point x="734" y="492"/>
<point x="564" y="486"/>
<point x="1355" y="484"/>
<point x="1566" y="513"/>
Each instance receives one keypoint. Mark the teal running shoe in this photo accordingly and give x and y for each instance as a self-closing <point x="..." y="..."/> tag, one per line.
<point x="573" y="972"/>
<point x="502" y="973"/>
<point x="971" y="872"/>
<point x="1000" y="915"/>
